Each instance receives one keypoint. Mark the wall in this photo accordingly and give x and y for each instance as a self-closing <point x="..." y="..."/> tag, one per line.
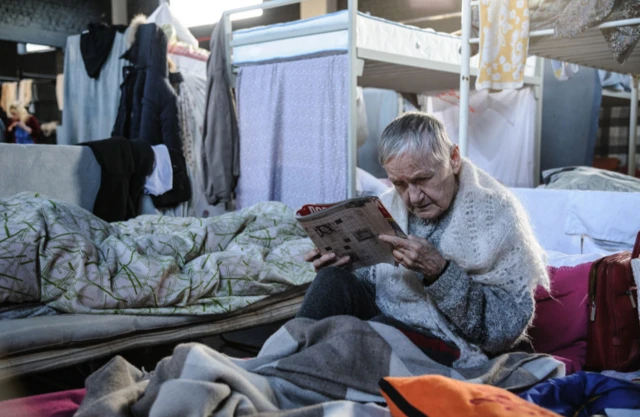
<point x="12" y="64"/>
<point x="49" y="22"/>
<point x="146" y="7"/>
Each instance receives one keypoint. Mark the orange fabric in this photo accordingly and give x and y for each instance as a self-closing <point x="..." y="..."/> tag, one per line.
<point x="437" y="396"/>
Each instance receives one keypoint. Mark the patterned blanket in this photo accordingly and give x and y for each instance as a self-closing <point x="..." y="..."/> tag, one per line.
<point x="61" y="255"/>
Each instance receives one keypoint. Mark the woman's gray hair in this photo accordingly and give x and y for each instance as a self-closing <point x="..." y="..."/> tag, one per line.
<point x="417" y="133"/>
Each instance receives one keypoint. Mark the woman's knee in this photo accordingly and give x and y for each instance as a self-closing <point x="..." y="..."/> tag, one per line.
<point x="333" y="277"/>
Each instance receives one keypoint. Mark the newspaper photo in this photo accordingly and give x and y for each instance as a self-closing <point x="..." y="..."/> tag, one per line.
<point x="351" y="228"/>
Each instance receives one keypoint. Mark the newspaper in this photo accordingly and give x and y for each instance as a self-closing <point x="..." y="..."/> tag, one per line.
<point x="351" y="228"/>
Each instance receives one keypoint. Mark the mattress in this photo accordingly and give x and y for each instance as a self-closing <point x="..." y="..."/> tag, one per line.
<point x="373" y="33"/>
<point x="40" y="344"/>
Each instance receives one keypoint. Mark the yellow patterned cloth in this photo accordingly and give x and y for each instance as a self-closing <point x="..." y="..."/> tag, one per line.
<point x="504" y="41"/>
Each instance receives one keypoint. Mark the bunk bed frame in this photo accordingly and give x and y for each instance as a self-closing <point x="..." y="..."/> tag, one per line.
<point x="587" y="49"/>
<point x="371" y="68"/>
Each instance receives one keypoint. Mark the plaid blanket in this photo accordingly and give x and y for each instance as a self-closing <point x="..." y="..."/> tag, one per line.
<point x="613" y="134"/>
<point x="308" y="368"/>
<point x="67" y="258"/>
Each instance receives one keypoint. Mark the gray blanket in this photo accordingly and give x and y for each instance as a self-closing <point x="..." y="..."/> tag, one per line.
<point x="308" y="368"/>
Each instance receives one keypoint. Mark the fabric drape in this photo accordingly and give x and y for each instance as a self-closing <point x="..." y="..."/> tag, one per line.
<point x="91" y="104"/>
<point x="293" y="119"/>
<point x="501" y="131"/>
<point x="220" y="153"/>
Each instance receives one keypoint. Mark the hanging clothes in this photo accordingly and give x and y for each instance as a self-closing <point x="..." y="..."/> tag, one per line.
<point x="502" y="63"/>
<point x="192" y="104"/>
<point x="291" y="151"/>
<point x="164" y="16"/>
<point x="91" y="103"/>
<point x="501" y="131"/>
<point x="161" y="178"/>
<point x="220" y="156"/>
<point x="569" y="118"/>
<point x="95" y="46"/>
<point x="381" y="107"/>
<point x="564" y="70"/>
<point x="24" y="92"/>
<point x="9" y="95"/>
<point x="125" y="166"/>
<point x="44" y="101"/>
<point x="148" y="104"/>
<point x="60" y="91"/>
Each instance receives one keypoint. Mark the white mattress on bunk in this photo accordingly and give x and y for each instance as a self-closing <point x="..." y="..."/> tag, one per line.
<point x="373" y="33"/>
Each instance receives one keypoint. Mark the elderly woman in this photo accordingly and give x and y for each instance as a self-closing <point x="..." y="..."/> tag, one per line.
<point x="466" y="273"/>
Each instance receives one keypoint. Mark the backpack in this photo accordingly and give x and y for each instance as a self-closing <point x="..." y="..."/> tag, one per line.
<point x="613" y="335"/>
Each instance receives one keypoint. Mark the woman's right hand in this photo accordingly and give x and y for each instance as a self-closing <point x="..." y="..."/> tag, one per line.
<point x="322" y="261"/>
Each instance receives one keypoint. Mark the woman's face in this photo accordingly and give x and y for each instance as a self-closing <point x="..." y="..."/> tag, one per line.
<point x="427" y="189"/>
<point x="14" y="115"/>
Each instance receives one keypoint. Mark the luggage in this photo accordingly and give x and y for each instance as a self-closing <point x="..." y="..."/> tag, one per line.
<point x="613" y="338"/>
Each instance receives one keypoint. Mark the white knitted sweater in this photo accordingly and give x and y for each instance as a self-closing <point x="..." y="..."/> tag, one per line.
<point x="489" y="237"/>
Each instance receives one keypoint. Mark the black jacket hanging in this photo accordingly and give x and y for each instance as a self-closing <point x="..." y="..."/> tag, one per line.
<point x="148" y="104"/>
<point x="125" y="166"/>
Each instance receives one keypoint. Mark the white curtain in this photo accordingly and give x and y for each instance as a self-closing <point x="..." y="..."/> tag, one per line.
<point x="501" y="131"/>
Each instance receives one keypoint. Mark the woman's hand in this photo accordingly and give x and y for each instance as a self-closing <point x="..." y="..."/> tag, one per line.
<point x="12" y="126"/>
<point x="416" y="254"/>
<point x="322" y="261"/>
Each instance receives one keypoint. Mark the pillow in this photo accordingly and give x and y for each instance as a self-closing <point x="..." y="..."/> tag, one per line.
<point x="558" y="259"/>
<point x="438" y="396"/>
<point x="560" y="325"/>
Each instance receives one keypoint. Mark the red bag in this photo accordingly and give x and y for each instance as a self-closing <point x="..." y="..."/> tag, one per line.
<point x="613" y="337"/>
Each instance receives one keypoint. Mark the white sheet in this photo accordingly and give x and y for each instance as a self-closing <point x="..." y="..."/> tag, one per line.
<point x="501" y="131"/>
<point x="164" y="16"/>
<point x="582" y="222"/>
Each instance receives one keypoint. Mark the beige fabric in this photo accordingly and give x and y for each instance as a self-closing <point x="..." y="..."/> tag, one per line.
<point x="60" y="90"/>
<point x="489" y="237"/>
<point x="24" y="92"/>
<point x="9" y="96"/>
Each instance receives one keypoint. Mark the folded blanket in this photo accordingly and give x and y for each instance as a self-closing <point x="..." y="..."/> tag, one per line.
<point x="61" y="255"/>
<point x="304" y="368"/>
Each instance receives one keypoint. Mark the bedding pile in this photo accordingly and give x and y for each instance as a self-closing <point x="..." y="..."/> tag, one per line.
<point x="308" y="368"/>
<point x="589" y="179"/>
<point x="66" y="258"/>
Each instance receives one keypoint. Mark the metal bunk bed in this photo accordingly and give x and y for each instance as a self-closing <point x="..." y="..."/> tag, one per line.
<point x="369" y="67"/>
<point x="587" y="49"/>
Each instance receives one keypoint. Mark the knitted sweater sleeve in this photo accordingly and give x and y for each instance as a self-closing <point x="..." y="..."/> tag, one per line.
<point x="485" y="315"/>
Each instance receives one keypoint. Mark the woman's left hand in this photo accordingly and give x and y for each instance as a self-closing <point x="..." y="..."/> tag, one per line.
<point x="416" y="254"/>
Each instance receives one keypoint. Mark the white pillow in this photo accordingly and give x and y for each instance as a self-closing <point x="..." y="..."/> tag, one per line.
<point x="557" y="259"/>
